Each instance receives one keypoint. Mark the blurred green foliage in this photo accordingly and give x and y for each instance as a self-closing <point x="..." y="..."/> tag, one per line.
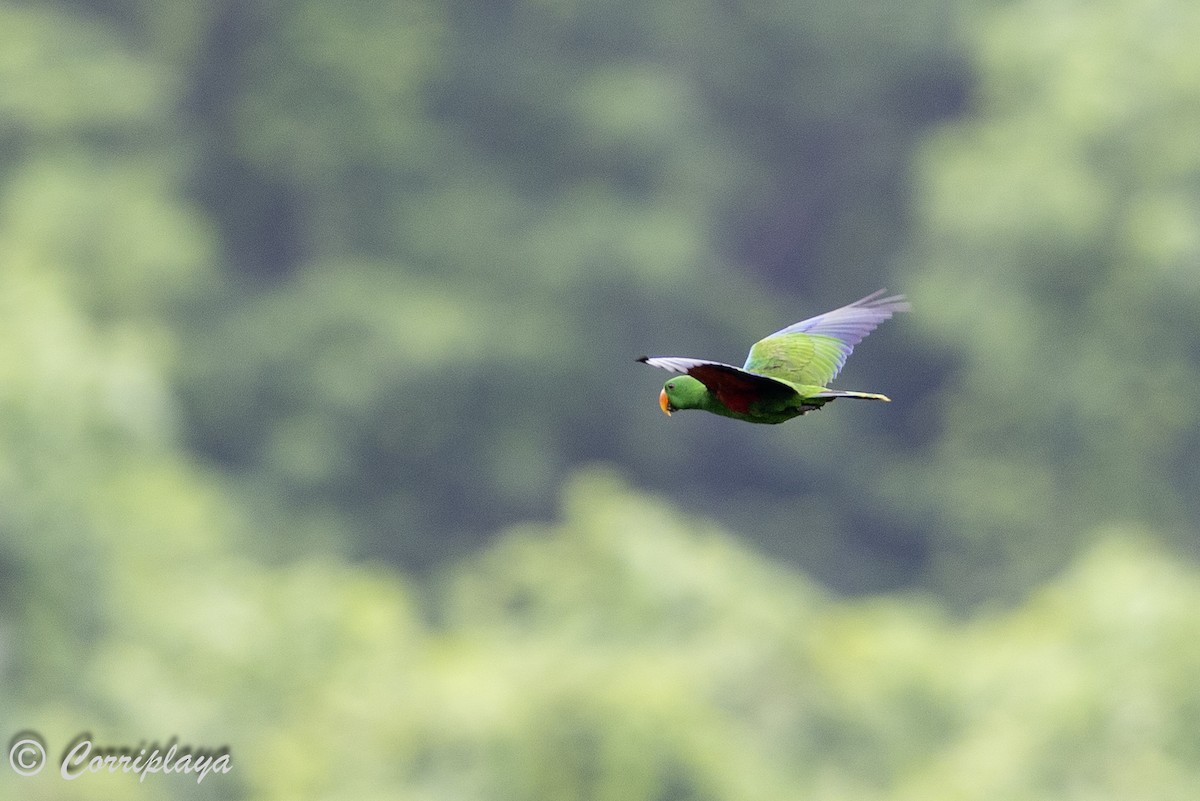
<point x="1061" y="250"/>
<point x="322" y="436"/>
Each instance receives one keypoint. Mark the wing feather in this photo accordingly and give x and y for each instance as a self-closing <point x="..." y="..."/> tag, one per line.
<point x="813" y="351"/>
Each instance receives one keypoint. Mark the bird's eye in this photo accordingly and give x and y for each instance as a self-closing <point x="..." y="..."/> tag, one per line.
<point x="670" y="385"/>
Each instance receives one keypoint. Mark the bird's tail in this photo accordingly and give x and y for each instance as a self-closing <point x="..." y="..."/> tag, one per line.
<point x="846" y="393"/>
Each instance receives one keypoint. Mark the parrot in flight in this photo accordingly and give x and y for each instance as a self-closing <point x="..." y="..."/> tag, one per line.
<point x="786" y="374"/>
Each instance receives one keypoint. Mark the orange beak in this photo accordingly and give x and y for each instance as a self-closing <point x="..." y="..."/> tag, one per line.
<point x="664" y="403"/>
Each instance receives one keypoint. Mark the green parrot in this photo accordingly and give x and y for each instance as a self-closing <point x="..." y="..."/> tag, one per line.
<point x="786" y="374"/>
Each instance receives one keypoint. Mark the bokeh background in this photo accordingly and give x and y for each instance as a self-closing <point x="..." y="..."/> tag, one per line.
<point x="321" y="435"/>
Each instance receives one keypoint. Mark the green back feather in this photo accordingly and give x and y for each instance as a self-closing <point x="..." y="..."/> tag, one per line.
<point x="811" y="359"/>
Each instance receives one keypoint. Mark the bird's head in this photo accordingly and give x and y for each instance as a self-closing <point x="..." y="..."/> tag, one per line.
<point x="683" y="392"/>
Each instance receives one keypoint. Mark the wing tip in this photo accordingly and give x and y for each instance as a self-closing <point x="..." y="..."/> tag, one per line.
<point x="642" y="359"/>
<point x="876" y="300"/>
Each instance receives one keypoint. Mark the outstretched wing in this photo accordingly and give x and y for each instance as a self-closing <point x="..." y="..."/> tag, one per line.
<point x="733" y="386"/>
<point x="813" y="351"/>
